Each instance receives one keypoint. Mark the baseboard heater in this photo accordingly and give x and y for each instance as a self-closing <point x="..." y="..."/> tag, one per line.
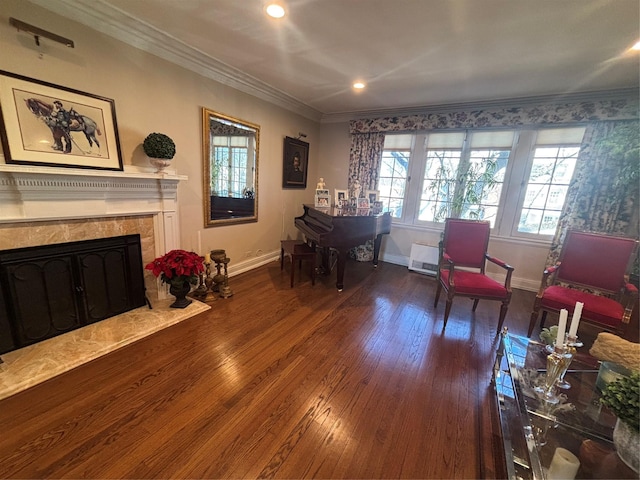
<point x="424" y="259"/>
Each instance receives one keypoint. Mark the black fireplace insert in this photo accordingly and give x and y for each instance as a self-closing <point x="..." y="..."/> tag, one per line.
<point x="52" y="289"/>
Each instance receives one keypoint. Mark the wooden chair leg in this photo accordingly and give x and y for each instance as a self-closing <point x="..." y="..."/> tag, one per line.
<point x="281" y="258"/>
<point x="438" y="290"/>
<point x="503" y="313"/>
<point x="543" y="319"/>
<point x="533" y="321"/>
<point x="293" y="270"/>
<point x="313" y="272"/>
<point x="475" y="304"/>
<point x="447" y="310"/>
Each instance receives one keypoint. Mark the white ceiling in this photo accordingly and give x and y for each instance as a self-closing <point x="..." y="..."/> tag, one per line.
<point x="411" y="53"/>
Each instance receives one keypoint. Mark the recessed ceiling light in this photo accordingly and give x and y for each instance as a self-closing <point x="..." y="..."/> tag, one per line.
<point x="359" y="85"/>
<point x="274" y="10"/>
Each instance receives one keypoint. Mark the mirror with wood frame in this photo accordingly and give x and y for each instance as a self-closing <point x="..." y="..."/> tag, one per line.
<point x="230" y="157"/>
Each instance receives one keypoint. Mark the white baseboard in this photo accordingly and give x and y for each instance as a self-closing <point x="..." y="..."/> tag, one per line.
<point x="252" y="263"/>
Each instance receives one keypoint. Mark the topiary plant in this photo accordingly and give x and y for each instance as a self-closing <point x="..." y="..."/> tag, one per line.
<point x="622" y="397"/>
<point x="159" y="145"/>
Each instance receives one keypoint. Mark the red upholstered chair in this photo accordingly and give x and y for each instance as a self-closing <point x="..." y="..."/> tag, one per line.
<point x="464" y="245"/>
<point x="591" y="269"/>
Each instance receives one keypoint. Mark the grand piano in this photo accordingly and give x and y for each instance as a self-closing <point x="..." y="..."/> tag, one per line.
<point x="340" y="230"/>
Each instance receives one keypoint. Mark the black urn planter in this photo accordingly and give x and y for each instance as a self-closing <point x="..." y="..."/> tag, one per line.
<point x="180" y="291"/>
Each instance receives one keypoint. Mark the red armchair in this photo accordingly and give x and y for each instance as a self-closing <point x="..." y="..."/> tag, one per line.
<point x="591" y="269"/>
<point x="464" y="245"/>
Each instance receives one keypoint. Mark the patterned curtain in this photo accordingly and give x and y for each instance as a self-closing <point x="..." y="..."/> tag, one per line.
<point x="603" y="196"/>
<point x="364" y="161"/>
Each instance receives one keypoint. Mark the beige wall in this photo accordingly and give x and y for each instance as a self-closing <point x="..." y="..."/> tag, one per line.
<point x="152" y="95"/>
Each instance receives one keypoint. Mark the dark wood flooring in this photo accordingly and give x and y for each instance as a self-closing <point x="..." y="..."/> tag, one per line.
<point x="279" y="382"/>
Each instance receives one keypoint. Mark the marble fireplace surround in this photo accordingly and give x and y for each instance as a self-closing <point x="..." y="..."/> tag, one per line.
<point x="47" y="205"/>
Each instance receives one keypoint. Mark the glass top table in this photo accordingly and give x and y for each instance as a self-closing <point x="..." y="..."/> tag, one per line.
<point x="532" y="429"/>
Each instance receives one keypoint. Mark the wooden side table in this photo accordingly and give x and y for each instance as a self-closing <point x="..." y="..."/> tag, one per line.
<point x="298" y="251"/>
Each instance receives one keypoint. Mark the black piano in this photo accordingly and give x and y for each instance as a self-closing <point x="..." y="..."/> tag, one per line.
<point x="340" y="230"/>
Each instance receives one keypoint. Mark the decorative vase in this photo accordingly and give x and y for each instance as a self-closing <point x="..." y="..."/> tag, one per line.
<point x="159" y="163"/>
<point x="627" y="442"/>
<point x="180" y="291"/>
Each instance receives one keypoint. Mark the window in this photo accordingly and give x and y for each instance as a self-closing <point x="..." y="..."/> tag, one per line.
<point x="229" y="163"/>
<point x="480" y="175"/>
<point x="551" y="171"/>
<point x="464" y="178"/>
<point x="394" y="173"/>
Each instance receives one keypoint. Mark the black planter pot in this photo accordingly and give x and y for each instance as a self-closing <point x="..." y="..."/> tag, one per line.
<point x="180" y="292"/>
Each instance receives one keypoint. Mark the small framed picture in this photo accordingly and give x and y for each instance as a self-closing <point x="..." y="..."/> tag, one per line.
<point x="323" y="198"/>
<point x="341" y="197"/>
<point x="362" y="212"/>
<point x="363" y="202"/>
<point x="373" y="196"/>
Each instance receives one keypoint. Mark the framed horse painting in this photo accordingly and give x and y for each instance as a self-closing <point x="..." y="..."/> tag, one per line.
<point x="46" y="124"/>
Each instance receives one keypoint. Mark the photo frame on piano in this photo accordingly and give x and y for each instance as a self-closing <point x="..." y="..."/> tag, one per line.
<point x="341" y="198"/>
<point x="373" y="196"/>
<point x="363" y="202"/>
<point x="323" y="199"/>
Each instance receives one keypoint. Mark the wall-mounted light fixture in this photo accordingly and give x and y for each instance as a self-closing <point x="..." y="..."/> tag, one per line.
<point x="38" y="32"/>
<point x="301" y="135"/>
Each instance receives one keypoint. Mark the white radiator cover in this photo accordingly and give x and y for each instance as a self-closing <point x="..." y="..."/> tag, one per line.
<point x="424" y="259"/>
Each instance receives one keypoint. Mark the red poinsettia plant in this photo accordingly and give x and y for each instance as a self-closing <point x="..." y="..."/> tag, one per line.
<point x="177" y="267"/>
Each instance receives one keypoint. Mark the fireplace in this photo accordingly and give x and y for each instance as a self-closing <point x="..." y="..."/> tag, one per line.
<point x="49" y="290"/>
<point x="48" y="205"/>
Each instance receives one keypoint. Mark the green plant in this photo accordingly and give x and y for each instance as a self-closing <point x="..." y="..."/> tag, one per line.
<point x="622" y="397"/>
<point x="159" y="145"/>
<point x="622" y="146"/>
<point x="548" y="335"/>
<point x="467" y="192"/>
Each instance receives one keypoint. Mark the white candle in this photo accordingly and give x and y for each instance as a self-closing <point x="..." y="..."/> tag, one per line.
<point x="575" y="320"/>
<point x="564" y="465"/>
<point x="207" y="258"/>
<point x="199" y="243"/>
<point x="562" y="327"/>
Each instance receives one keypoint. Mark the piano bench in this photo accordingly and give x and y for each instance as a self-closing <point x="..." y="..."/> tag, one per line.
<point x="298" y="251"/>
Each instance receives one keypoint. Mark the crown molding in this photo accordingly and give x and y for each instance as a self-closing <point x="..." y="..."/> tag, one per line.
<point x="115" y="23"/>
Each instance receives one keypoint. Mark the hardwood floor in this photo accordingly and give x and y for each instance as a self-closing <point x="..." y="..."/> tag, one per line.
<point x="278" y="382"/>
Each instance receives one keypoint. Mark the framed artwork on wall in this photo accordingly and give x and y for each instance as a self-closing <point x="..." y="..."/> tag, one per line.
<point x="46" y="124"/>
<point x="295" y="163"/>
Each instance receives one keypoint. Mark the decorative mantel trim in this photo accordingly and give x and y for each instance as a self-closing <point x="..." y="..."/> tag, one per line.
<point x="36" y="193"/>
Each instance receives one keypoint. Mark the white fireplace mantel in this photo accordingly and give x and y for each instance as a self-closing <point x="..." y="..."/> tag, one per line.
<point x="32" y="194"/>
